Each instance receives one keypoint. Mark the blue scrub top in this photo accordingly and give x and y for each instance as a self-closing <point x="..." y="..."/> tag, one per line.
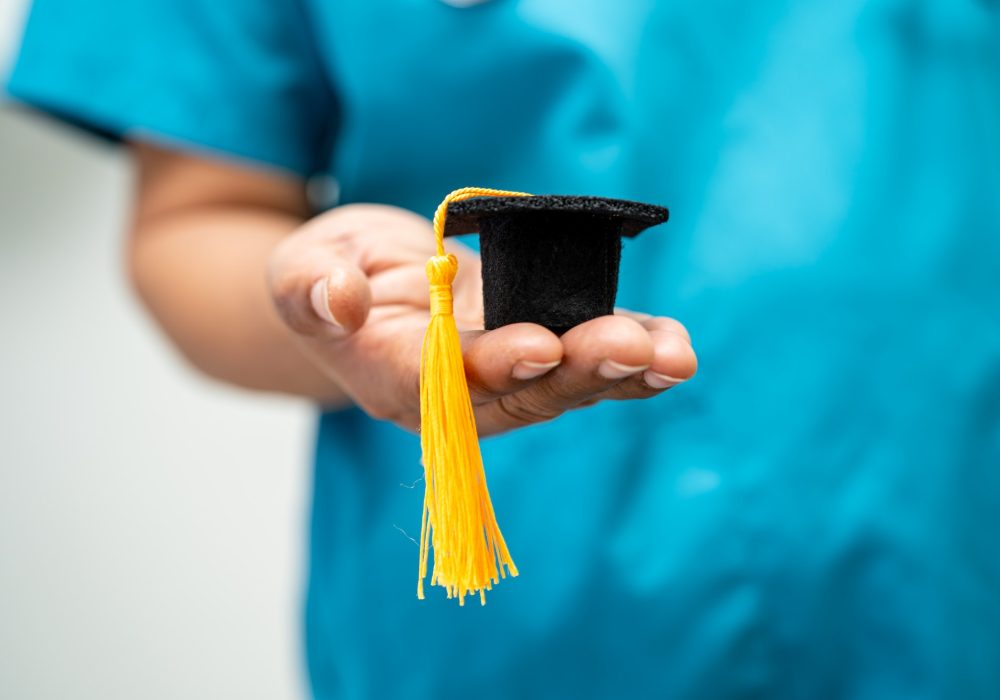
<point x="817" y="514"/>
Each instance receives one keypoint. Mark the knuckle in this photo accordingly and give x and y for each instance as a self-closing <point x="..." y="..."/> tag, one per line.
<point x="561" y="394"/>
<point x="634" y="388"/>
<point x="525" y="408"/>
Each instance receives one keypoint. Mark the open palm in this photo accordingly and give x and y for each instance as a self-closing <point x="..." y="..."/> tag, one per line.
<point x="351" y="284"/>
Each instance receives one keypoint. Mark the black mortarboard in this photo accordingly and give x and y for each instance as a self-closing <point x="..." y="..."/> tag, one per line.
<point x="549" y="259"/>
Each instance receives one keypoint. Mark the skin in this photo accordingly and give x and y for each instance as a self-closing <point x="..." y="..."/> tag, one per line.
<point x="257" y="292"/>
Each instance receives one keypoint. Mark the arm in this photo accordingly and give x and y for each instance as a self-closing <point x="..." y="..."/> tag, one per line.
<point x="201" y="237"/>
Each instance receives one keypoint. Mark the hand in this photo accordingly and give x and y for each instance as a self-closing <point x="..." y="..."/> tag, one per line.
<point x="352" y="287"/>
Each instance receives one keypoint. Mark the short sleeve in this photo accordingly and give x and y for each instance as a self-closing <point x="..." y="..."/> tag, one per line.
<point x="235" y="77"/>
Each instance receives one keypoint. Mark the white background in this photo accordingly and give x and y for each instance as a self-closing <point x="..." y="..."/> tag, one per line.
<point x="152" y="524"/>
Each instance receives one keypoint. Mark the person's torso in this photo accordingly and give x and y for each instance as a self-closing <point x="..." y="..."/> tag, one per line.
<point x="813" y="515"/>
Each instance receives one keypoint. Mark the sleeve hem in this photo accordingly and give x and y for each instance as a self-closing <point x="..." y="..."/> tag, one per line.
<point x="111" y="123"/>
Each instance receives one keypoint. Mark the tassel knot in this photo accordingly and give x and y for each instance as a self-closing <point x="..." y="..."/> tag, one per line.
<point x="441" y="271"/>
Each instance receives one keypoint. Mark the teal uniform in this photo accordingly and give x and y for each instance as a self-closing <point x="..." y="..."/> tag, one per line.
<point x="816" y="514"/>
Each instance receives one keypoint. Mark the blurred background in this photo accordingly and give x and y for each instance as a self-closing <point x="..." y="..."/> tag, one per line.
<point x="151" y="523"/>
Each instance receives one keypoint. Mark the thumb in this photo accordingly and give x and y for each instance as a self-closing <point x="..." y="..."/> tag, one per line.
<point x="342" y="297"/>
<point x="317" y="299"/>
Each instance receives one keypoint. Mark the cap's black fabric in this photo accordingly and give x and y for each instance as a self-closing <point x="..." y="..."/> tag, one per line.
<point x="465" y="215"/>
<point x="550" y="259"/>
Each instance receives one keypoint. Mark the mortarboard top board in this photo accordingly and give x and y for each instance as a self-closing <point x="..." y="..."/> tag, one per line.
<point x="549" y="259"/>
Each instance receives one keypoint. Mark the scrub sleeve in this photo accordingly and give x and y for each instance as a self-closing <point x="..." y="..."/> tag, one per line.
<point x="233" y="79"/>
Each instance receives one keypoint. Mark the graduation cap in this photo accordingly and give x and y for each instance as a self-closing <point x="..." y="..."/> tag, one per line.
<point x="551" y="260"/>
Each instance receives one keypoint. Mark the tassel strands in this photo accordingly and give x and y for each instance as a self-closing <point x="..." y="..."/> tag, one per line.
<point x="458" y="521"/>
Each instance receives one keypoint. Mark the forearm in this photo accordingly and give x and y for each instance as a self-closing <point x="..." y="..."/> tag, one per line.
<point x="201" y="271"/>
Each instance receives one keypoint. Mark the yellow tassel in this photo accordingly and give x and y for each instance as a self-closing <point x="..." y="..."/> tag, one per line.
<point x="470" y="554"/>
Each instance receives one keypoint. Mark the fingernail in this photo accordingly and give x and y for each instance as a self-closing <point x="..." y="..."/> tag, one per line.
<point x="660" y="381"/>
<point x="529" y="370"/>
<point x="320" y="298"/>
<point x="609" y="369"/>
